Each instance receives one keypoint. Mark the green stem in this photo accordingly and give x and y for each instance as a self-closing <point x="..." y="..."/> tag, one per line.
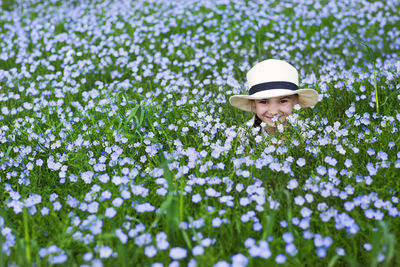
<point x="26" y="235"/>
<point x="376" y="92"/>
<point x="181" y="202"/>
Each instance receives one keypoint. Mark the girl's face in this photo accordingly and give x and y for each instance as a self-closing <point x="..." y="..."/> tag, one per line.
<point x="273" y="111"/>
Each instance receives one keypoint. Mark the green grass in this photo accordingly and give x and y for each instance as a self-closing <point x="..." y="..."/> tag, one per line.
<point x="79" y="130"/>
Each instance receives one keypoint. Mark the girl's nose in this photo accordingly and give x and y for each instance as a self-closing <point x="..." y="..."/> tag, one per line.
<point x="273" y="110"/>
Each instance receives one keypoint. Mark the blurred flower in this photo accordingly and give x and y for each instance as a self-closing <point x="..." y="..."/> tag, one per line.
<point x="239" y="260"/>
<point x="280" y="259"/>
<point x="197" y="250"/>
<point x="367" y="246"/>
<point x="177" y="253"/>
<point x="292" y="184"/>
<point x="150" y="251"/>
<point x="105" y="252"/>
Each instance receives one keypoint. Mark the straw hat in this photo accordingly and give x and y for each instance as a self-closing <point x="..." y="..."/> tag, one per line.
<point x="273" y="78"/>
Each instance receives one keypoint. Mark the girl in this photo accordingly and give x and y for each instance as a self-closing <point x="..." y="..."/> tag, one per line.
<point x="273" y="93"/>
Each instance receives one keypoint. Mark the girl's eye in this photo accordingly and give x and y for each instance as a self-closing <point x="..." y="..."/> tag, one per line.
<point x="263" y="102"/>
<point x="284" y="101"/>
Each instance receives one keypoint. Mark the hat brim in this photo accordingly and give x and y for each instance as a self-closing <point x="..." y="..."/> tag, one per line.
<point x="307" y="98"/>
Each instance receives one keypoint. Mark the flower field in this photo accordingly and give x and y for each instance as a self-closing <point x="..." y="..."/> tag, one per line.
<point x="118" y="146"/>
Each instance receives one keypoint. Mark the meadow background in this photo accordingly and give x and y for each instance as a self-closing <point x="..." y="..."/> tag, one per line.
<point x="118" y="146"/>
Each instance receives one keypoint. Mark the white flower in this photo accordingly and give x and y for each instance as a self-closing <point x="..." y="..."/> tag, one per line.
<point x="110" y="212"/>
<point x="177" y="253"/>
<point x="198" y="250"/>
<point x="288" y="237"/>
<point x="44" y="211"/>
<point x="87" y="176"/>
<point x="162" y="244"/>
<point x="306" y="212"/>
<point x="292" y="184"/>
<point x="275" y="118"/>
<point x="309" y="198"/>
<point x="196" y="198"/>
<point x="121" y="235"/>
<point x="222" y="264"/>
<point x="117" y="202"/>
<point x="291" y="249"/>
<point x="87" y="256"/>
<point x="367" y="246"/>
<point x="104" y="178"/>
<point x="143" y="239"/>
<point x="292" y="118"/>
<point x="239" y="260"/>
<point x="280" y="259"/>
<point x="301" y="162"/>
<point x="150" y="251"/>
<point x="258" y="139"/>
<point x="93" y="207"/>
<point x="57" y="206"/>
<point x="105" y="252"/>
<point x="216" y="222"/>
<point x="145" y="207"/>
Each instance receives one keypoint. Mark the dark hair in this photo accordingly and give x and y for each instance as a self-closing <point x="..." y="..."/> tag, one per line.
<point x="257" y="123"/>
